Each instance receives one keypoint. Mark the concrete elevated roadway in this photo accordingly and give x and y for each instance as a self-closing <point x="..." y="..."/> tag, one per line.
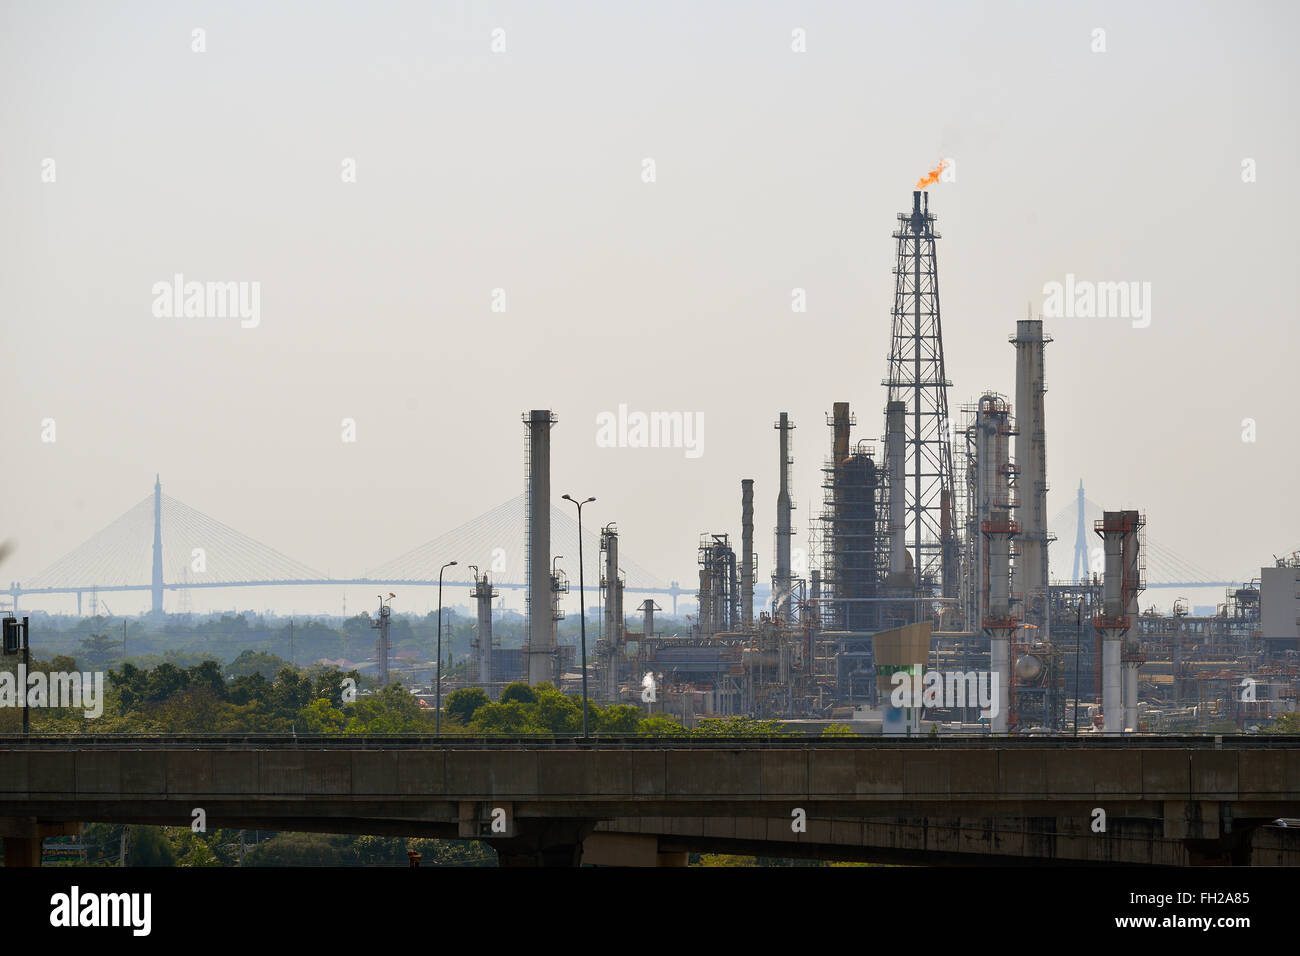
<point x="1165" y="800"/>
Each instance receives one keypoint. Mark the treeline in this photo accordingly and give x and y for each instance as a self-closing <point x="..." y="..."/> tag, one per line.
<point x="261" y="693"/>
<point x="185" y="640"/>
<point x="543" y="709"/>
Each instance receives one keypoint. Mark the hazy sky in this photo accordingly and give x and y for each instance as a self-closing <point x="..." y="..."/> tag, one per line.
<point x="522" y="170"/>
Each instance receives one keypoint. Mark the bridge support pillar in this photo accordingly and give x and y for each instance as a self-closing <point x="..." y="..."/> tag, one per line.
<point x="22" y="851"/>
<point x="625" y="849"/>
<point x="1191" y="820"/>
<point x="541" y="842"/>
<point x="23" y="837"/>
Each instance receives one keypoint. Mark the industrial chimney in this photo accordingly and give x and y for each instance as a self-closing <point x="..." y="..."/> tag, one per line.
<point x="747" y="551"/>
<point x="540" y="651"/>
<point x="1118" y="621"/>
<point x="483" y="594"/>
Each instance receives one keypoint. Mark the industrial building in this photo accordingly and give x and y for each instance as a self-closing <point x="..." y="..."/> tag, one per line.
<point x="935" y="553"/>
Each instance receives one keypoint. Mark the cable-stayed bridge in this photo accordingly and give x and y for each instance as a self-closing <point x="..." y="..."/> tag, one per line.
<point x="1076" y="552"/>
<point x="162" y="544"/>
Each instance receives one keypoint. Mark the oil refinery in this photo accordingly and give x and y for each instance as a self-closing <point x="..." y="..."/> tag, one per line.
<point x="930" y="553"/>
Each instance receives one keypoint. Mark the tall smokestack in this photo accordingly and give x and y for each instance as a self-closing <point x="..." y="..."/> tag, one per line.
<point x="747" y="551"/>
<point x="613" y="609"/>
<point x="781" y="580"/>
<point x="540" y="651"/>
<point x="609" y="580"/>
<point x="648" y="609"/>
<point x="483" y="595"/>
<point x="1031" y="573"/>
<point x="895" y="459"/>
<point x="1113" y="622"/>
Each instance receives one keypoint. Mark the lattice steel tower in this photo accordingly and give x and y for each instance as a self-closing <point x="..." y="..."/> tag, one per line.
<point x="917" y="378"/>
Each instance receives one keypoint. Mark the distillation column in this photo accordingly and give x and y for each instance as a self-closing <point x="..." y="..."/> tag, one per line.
<point x="747" y="551"/>
<point x="1031" y="573"/>
<point x="997" y="530"/>
<point x="782" y="583"/>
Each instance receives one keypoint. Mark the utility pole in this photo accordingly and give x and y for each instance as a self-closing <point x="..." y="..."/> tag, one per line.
<point x="582" y="610"/>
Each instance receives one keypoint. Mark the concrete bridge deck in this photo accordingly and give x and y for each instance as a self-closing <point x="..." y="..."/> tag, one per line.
<point x="1166" y="799"/>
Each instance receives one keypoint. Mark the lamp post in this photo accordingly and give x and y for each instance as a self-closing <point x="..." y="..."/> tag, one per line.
<point x="437" y="700"/>
<point x="582" y="611"/>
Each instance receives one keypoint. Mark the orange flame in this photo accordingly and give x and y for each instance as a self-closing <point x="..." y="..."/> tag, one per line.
<point x="932" y="176"/>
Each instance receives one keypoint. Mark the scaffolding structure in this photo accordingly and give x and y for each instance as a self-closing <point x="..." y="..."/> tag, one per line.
<point x="719" y="594"/>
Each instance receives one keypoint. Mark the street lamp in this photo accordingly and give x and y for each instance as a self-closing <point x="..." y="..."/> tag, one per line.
<point x="437" y="701"/>
<point x="582" y="611"/>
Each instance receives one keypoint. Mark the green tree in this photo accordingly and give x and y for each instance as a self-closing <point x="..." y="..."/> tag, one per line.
<point x="165" y="680"/>
<point x="391" y="710"/>
<point x="328" y="684"/>
<point x="520" y="692"/>
<point x="838" y="730"/>
<point x="320" y="717"/>
<point x="659" y="726"/>
<point x="98" y="651"/>
<point x="619" y="719"/>
<point x="149" y="846"/>
<point x="256" y="662"/>
<point x="208" y="676"/>
<point x="737" y="727"/>
<point x="556" y="713"/>
<point x="291" y="692"/>
<point x="461" y="704"/>
<point x="509" y="718"/>
<point x="248" y="688"/>
<point x="1285" y="724"/>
